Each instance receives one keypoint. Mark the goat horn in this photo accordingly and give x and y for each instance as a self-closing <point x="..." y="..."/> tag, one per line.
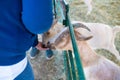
<point x="59" y="36"/>
<point x="80" y="25"/>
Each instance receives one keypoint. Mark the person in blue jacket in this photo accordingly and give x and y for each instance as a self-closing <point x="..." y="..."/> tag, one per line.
<point x="20" y="22"/>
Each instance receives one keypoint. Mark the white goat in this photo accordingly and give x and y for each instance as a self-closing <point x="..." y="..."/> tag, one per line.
<point x="103" y="35"/>
<point x="89" y="5"/>
<point x="95" y="66"/>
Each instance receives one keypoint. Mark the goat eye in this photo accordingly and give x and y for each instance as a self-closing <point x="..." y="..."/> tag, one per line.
<point x="48" y="42"/>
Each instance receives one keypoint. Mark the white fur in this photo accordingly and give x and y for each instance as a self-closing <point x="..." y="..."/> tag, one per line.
<point x="103" y="36"/>
<point x="89" y="5"/>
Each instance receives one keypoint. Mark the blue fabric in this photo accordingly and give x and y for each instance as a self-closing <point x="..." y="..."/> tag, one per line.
<point x="34" y="51"/>
<point x="20" y="21"/>
<point x="27" y="74"/>
<point x="49" y="53"/>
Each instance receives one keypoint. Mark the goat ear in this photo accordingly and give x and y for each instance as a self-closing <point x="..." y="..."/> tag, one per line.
<point x="81" y="37"/>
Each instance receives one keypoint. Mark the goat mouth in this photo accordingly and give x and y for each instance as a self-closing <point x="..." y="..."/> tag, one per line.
<point x="51" y="46"/>
<point x="44" y="46"/>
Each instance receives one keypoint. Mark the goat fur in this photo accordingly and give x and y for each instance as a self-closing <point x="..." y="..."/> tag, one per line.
<point x="103" y="35"/>
<point x="95" y="67"/>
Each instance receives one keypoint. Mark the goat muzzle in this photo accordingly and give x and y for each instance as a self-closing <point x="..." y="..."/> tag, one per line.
<point x="50" y="45"/>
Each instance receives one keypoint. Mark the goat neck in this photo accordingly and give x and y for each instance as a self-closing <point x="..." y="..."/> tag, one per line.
<point x="88" y="56"/>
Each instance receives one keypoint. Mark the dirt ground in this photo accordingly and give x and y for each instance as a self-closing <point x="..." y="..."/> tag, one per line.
<point x="53" y="69"/>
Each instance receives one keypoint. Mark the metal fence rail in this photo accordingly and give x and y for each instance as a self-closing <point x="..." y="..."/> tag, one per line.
<point x="73" y="64"/>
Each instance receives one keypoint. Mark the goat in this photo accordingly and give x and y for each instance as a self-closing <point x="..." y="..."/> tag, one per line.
<point x="103" y="35"/>
<point x="95" y="67"/>
<point x="89" y="5"/>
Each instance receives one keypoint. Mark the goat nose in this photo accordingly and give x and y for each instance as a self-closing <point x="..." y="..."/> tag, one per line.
<point x="44" y="46"/>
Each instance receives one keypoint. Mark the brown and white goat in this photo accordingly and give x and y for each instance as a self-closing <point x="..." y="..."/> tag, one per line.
<point x="89" y="5"/>
<point x="95" y="67"/>
<point x="103" y="35"/>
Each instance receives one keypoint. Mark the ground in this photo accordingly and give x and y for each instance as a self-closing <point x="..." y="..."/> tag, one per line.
<point x="53" y="69"/>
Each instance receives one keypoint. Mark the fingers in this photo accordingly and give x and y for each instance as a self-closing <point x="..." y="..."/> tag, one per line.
<point x="39" y="47"/>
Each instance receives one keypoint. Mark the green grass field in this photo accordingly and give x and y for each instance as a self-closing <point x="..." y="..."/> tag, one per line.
<point x="104" y="11"/>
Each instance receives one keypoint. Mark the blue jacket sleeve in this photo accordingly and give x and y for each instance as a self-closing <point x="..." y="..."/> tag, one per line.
<point x="37" y="15"/>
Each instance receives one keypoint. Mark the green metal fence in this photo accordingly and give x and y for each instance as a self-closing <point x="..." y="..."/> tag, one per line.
<point x="73" y="65"/>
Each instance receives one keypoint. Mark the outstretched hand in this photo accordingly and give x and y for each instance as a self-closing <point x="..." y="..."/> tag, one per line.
<point x="39" y="46"/>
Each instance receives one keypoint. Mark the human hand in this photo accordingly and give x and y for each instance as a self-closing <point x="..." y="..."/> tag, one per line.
<point x="39" y="46"/>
